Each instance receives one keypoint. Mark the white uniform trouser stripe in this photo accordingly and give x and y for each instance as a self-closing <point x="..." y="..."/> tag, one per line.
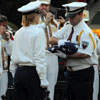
<point x="96" y="83"/>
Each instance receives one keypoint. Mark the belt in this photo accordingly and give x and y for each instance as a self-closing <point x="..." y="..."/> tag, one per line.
<point x="25" y="64"/>
<point x="69" y="68"/>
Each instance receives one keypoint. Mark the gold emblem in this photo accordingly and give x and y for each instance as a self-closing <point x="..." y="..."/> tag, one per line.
<point x="84" y="15"/>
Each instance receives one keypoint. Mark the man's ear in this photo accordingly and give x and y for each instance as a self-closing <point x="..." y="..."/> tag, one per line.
<point x="81" y="13"/>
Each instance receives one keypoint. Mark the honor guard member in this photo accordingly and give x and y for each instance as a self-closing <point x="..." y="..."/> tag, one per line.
<point x="2" y="30"/>
<point x="80" y="75"/>
<point x="53" y="26"/>
<point x="6" y="45"/>
<point x="28" y="56"/>
<point x="96" y="81"/>
<point x="1" y="62"/>
<point x="52" y="60"/>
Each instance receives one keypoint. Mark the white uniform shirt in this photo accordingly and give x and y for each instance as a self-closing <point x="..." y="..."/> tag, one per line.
<point x="98" y="44"/>
<point x="29" y="47"/>
<point x="63" y="32"/>
<point x="86" y="45"/>
<point x="7" y="47"/>
<point x="1" y="67"/>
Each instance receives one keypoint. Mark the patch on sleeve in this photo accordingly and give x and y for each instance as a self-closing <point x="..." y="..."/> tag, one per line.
<point x="85" y="44"/>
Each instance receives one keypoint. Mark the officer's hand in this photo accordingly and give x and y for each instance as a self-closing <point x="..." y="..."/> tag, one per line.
<point x="44" y="83"/>
<point x="49" y="18"/>
<point x="43" y="12"/>
<point x="61" y="20"/>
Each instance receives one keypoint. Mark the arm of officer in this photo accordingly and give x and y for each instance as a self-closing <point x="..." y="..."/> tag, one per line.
<point x="56" y="41"/>
<point x="85" y="49"/>
<point x="53" y="41"/>
<point x="39" y="57"/>
<point x="59" y="35"/>
<point x="78" y="56"/>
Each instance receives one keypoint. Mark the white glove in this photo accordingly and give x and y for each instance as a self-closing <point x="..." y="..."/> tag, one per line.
<point x="44" y="83"/>
<point x="61" y="42"/>
<point x="60" y="54"/>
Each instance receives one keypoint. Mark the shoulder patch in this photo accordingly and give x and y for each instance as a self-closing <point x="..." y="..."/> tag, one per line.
<point x="85" y="44"/>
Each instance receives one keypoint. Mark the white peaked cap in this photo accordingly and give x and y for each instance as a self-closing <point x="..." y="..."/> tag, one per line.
<point x="74" y="7"/>
<point x="45" y="1"/>
<point x="32" y="6"/>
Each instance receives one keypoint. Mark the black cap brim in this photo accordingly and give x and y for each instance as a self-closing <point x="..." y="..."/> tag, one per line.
<point x="71" y="15"/>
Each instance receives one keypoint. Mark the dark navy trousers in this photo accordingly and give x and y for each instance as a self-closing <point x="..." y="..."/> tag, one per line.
<point x="79" y="84"/>
<point x="27" y="84"/>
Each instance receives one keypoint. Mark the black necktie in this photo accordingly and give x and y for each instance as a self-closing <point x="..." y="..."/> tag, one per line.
<point x="70" y="36"/>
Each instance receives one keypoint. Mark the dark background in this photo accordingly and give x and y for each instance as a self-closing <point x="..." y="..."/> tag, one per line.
<point x="9" y="8"/>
